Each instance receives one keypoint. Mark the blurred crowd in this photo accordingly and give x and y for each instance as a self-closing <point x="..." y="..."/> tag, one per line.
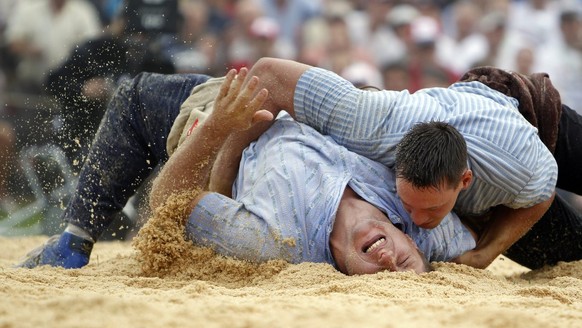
<point x="60" y="60"/>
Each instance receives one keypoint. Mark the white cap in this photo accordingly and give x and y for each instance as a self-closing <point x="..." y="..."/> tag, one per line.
<point x="425" y="29"/>
<point x="363" y="74"/>
<point x="402" y="14"/>
<point x="265" y="27"/>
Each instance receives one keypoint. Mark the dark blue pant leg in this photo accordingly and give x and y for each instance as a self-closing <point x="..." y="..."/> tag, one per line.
<point x="568" y="151"/>
<point x="556" y="237"/>
<point x="130" y="143"/>
<point x="558" y="234"/>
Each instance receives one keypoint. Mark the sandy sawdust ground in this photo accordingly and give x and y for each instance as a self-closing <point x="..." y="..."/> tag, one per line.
<point x="112" y="291"/>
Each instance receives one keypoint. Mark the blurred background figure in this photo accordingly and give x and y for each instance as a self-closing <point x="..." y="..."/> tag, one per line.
<point x="42" y="33"/>
<point x="400" y="19"/>
<point x="466" y="45"/>
<point x="194" y="48"/>
<point x="535" y="20"/>
<point x="524" y="61"/>
<point x="239" y="39"/>
<point x="291" y="15"/>
<point x="328" y="41"/>
<point x="371" y="33"/>
<point x="83" y="84"/>
<point x="562" y="59"/>
<point x="395" y="76"/>
<point x="262" y="40"/>
<point x="426" y="69"/>
<point x="107" y="9"/>
<point x="363" y="75"/>
<point x="503" y="43"/>
<point x="7" y="60"/>
<point x="339" y="52"/>
<point x="265" y="32"/>
<point x="7" y="164"/>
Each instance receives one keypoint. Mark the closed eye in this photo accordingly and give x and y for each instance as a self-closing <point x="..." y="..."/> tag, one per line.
<point x="404" y="262"/>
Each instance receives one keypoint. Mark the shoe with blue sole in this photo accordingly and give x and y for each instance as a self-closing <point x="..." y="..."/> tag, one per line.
<point x="65" y="250"/>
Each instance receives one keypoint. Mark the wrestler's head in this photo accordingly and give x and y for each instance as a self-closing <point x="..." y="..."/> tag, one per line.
<point x="431" y="170"/>
<point x="364" y="241"/>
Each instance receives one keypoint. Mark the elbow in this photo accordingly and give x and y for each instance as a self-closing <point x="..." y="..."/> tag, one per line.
<point x="546" y="205"/>
<point x="263" y="67"/>
<point x="265" y="61"/>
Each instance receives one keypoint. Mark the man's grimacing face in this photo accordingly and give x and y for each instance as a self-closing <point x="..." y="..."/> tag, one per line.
<point x="364" y="241"/>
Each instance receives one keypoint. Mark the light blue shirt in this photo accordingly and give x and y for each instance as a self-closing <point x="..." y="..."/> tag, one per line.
<point x="286" y="196"/>
<point x="510" y="164"/>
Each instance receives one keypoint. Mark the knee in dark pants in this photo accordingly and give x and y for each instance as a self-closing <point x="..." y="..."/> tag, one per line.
<point x="568" y="152"/>
<point x="556" y="237"/>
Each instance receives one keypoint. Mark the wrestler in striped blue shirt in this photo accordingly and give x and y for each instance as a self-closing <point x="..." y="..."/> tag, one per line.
<point x="508" y="169"/>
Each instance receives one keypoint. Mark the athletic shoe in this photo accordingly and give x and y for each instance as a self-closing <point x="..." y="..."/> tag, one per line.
<point x="65" y="250"/>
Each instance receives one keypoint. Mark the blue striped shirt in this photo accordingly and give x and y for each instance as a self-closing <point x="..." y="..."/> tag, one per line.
<point x="510" y="164"/>
<point x="287" y="193"/>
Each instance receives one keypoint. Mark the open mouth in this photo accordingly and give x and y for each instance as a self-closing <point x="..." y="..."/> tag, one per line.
<point x="373" y="244"/>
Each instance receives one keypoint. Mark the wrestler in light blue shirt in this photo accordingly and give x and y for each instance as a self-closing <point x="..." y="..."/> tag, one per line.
<point x="286" y="196"/>
<point x="510" y="164"/>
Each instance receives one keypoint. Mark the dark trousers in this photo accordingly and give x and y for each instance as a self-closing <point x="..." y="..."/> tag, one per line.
<point x="558" y="234"/>
<point x="568" y="151"/>
<point x="129" y="144"/>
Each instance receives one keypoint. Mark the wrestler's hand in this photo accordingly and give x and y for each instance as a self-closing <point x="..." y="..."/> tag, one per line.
<point x="475" y="258"/>
<point x="482" y="255"/>
<point x="238" y="106"/>
<point x="505" y="227"/>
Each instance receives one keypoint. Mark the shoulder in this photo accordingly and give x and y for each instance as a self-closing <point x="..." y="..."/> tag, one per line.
<point x="479" y="91"/>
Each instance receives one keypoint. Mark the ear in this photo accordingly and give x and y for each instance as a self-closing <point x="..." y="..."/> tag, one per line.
<point x="466" y="179"/>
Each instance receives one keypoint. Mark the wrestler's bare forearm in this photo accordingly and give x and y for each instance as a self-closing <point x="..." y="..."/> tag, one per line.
<point x="505" y="227"/>
<point x="190" y="166"/>
<point x="279" y="77"/>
